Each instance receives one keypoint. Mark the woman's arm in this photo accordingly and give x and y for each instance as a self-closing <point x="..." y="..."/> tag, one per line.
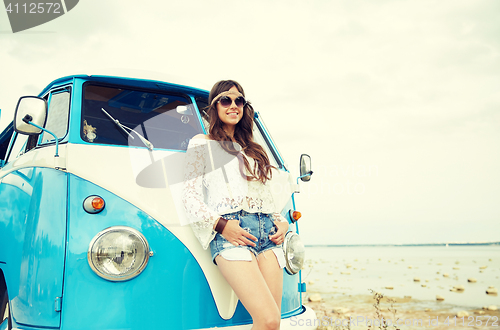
<point x="201" y="218"/>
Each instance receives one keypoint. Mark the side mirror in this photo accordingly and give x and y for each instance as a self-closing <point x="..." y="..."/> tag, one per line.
<point x="305" y="167"/>
<point x="34" y="107"/>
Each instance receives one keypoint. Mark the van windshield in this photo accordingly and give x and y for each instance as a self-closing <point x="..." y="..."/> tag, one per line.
<point x="167" y="120"/>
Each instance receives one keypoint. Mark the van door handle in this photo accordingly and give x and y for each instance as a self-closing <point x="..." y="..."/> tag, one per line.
<point x="58" y="304"/>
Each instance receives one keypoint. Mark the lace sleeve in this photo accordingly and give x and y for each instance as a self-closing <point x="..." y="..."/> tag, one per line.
<point x="200" y="216"/>
<point x="278" y="217"/>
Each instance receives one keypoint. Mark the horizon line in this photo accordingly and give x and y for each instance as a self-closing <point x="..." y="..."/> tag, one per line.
<point x="407" y="244"/>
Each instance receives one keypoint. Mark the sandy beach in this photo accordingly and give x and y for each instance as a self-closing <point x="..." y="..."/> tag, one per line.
<point x="358" y="312"/>
<point x="427" y="288"/>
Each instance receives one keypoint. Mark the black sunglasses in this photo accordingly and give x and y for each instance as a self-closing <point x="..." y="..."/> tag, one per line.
<point x="226" y="101"/>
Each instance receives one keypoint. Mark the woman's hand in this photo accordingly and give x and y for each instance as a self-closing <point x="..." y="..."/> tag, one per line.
<point x="279" y="237"/>
<point x="237" y="235"/>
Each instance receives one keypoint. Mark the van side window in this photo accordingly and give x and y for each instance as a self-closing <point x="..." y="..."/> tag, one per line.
<point x="58" y="115"/>
<point x="19" y="146"/>
<point x="32" y="140"/>
<point x="5" y="138"/>
<point x="202" y="103"/>
<point x="259" y="138"/>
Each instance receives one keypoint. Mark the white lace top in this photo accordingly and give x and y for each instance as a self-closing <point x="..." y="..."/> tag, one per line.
<point x="213" y="186"/>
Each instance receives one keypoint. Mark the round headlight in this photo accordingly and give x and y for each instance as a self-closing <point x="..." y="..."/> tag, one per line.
<point x="294" y="252"/>
<point x="118" y="253"/>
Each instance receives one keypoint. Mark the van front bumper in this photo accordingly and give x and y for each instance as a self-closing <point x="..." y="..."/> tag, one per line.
<point x="304" y="321"/>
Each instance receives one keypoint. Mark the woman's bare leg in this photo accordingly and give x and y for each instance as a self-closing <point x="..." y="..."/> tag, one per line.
<point x="248" y="283"/>
<point x="273" y="274"/>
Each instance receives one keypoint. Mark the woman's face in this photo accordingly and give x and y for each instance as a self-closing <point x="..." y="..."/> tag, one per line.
<point x="231" y="115"/>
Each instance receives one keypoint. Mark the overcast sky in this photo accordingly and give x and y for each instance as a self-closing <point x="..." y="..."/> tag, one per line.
<point x="397" y="102"/>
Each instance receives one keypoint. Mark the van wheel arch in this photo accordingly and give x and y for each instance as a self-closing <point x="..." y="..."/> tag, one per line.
<point x="4" y="302"/>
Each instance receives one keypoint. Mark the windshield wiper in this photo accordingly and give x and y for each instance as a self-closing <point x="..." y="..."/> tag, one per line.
<point x="122" y="127"/>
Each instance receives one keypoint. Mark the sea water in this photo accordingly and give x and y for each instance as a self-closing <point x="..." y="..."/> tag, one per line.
<point x="357" y="269"/>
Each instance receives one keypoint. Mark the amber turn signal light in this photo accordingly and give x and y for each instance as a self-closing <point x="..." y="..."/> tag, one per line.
<point x="93" y="204"/>
<point x="98" y="203"/>
<point x="295" y="215"/>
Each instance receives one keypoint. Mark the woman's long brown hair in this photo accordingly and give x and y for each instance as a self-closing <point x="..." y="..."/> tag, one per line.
<point x="243" y="135"/>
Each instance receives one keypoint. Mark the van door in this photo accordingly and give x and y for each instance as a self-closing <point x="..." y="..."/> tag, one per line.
<point x="36" y="223"/>
<point x="33" y="213"/>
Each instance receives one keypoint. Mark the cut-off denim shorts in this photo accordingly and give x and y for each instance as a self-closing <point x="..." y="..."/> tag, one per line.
<point x="260" y="225"/>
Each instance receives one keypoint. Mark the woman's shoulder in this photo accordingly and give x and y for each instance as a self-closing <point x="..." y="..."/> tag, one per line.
<point x="197" y="141"/>
<point x="200" y="139"/>
<point x="200" y="136"/>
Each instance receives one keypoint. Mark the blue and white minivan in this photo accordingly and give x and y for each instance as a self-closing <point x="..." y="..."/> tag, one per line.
<point x="92" y="232"/>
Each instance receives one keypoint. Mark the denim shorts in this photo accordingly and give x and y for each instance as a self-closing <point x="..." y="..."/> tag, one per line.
<point x="260" y="225"/>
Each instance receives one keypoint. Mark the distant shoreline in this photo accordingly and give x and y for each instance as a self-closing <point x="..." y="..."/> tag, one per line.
<point x="397" y="245"/>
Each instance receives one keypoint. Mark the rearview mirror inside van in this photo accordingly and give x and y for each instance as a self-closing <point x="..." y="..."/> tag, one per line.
<point x="36" y="108"/>
<point x="184" y="110"/>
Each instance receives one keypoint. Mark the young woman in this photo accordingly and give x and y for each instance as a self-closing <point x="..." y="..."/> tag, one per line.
<point x="230" y="207"/>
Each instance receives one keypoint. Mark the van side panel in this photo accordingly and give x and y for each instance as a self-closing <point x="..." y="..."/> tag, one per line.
<point x="33" y="227"/>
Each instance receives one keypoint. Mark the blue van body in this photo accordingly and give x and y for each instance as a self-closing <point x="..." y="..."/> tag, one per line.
<point x="45" y="230"/>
